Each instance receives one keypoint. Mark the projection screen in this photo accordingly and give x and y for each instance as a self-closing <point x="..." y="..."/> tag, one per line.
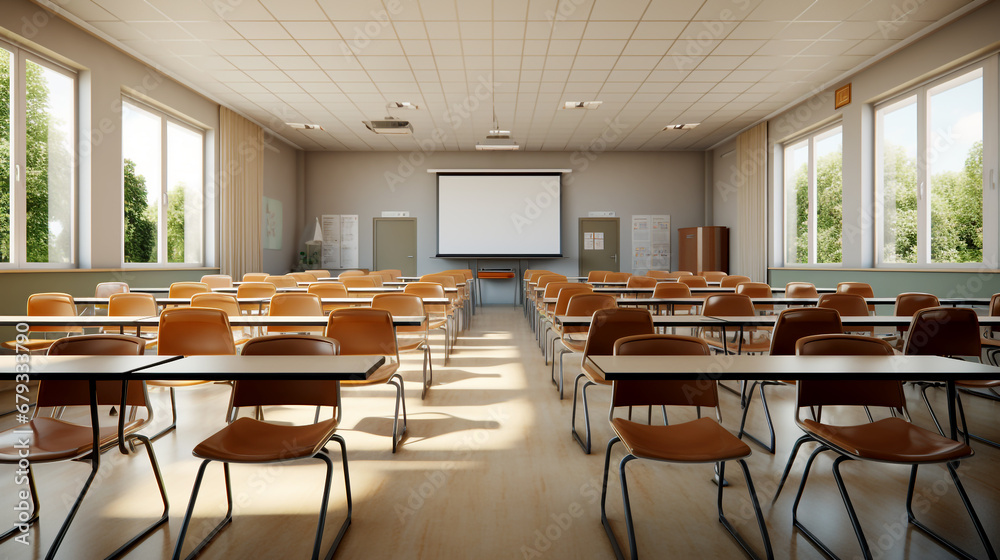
<point x="499" y="215"/>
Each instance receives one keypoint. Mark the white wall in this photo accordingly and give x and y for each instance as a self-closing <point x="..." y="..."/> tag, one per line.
<point x="280" y="178"/>
<point x="627" y="183"/>
<point x="725" y="202"/>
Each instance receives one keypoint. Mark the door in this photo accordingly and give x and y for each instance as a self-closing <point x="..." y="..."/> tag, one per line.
<point x="599" y="245"/>
<point x="395" y="242"/>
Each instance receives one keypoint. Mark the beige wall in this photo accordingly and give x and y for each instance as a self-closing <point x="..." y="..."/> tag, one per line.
<point x="627" y="183"/>
<point x="280" y="178"/>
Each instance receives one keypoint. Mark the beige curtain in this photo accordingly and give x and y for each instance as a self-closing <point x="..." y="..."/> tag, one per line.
<point x="241" y="189"/>
<point x="751" y="158"/>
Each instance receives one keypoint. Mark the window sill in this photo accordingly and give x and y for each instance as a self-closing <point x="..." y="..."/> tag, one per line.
<point x="129" y="269"/>
<point x="888" y="269"/>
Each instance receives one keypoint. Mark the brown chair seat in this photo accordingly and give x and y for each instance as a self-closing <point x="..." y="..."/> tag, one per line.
<point x="889" y="439"/>
<point x="247" y="440"/>
<point x="700" y="441"/>
<point x="57" y="440"/>
<point x="978" y="383"/>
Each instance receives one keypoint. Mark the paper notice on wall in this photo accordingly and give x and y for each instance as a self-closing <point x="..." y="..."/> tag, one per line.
<point x="599" y="244"/>
<point x="330" y="254"/>
<point x="588" y="241"/>
<point x="349" y="241"/>
<point x="650" y="243"/>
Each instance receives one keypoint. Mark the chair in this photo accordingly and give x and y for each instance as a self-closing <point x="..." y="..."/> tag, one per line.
<point x="848" y="305"/>
<point x="699" y="441"/>
<point x="295" y="304"/>
<point x="732" y="305"/>
<point x="862" y="289"/>
<point x="574" y="339"/>
<point x="319" y="273"/>
<point x="347" y="273"/>
<point x="302" y="277"/>
<point x="438" y="314"/>
<point x="251" y="441"/>
<point x="283" y="281"/>
<point x="447" y="282"/>
<point x="385" y="275"/>
<point x="377" y="278"/>
<point x="658" y="274"/>
<point x="989" y="341"/>
<point x="364" y="331"/>
<point x="952" y="332"/>
<point x="563" y="292"/>
<point x="255" y="276"/>
<point x="227" y="303"/>
<point x="801" y="290"/>
<point x="329" y="290"/>
<point x="617" y="277"/>
<point x="393" y="274"/>
<point x="907" y="305"/>
<point x="757" y="290"/>
<point x="597" y="275"/>
<point x="358" y="281"/>
<point x="713" y="275"/>
<point x="105" y="289"/>
<point x="606" y="326"/>
<point x="413" y="337"/>
<point x="187" y="289"/>
<point x="791" y="325"/>
<point x="56" y="440"/>
<point x="190" y="331"/>
<point x="678" y="273"/>
<point x="733" y="280"/>
<point x="640" y="282"/>
<point x="134" y="304"/>
<point x="889" y="440"/>
<point x="255" y="290"/>
<point x="693" y="281"/>
<point x="673" y="290"/>
<point x="545" y="315"/>
<point x="48" y="304"/>
<point x="217" y="281"/>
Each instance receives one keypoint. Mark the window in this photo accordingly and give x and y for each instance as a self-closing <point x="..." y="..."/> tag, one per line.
<point x="813" y="186"/>
<point x="37" y="161"/>
<point x="163" y="170"/>
<point x="929" y="172"/>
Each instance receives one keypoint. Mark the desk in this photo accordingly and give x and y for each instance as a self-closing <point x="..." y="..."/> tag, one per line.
<point x="671" y="301"/>
<point x="224" y="368"/>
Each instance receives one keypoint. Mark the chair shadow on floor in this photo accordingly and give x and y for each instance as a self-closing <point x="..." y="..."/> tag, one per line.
<point x="422" y="426"/>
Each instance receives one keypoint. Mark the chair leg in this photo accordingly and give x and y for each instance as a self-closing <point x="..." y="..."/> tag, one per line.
<point x="767" y="416"/>
<point x="173" y="419"/>
<point x="163" y="496"/>
<point x="428" y="367"/>
<point x="788" y="465"/>
<point x="604" y="500"/>
<point x="326" y="501"/>
<point x="927" y="403"/>
<point x="806" y="532"/>
<point x="190" y="510"/>
<point x="586" y="413"/>
<point x="95" y="464"/>
<point x="990" y="553"/>
<point x="397" y="436"/>
<point x="756" y="508"/>
<point x="32" y="516"/>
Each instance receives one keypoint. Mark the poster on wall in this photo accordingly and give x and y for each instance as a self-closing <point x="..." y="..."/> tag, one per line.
<point x="349" y="241"/>
<point x="272" y="224"/>
<point x="650" y="243"/>
<point x="330" y="255"/>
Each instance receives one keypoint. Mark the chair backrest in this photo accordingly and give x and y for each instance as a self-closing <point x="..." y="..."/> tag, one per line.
<point x="428" y="290"/>
<point x="402" y="304"/>
<point x="283" y="281"/>
<point x="552" y="289"/>
<point x="679" y="273"/>
<point x="617" y="277"/>
<point x="295" y="303"/>
<point x="534" y="275"/>
<point x="608" y="325"/>
<point x="347" y="273"/>
<point x="796" y="322"/>
<point x="302" y="276"/>
<point x="597" y="275"/>
<point x="562" y="298"/>
<point x="693" y="281"/>
<point x="641" y="282"/>
<point x="584" y="305"/>
<point x="217" y="281"/>
<point x="994" y="312"/>
<point x="319" y="273"/>
<point x="194" y="331"/>
<point x="77" y="392"/>
<point x="358" y="281"/>
<point x="944" y="331"/>
<point x="801" y="290"/>
<point x="53" y="304"/>
<point x="393" y="274"/>
<point x="847" y="304"/>
<point x="328" y="289"/>
<point x="713" y="275"/>
<point x="362" y="330"/>
<point x="756" y="290"/>
<point x="862" y="289"/>
<point x="663" y="392"/>
<point x="671" y="290"/>
<point x="544" y="279"/>
<point x="187" y="289"/>
<point x="282" y="391"/>
<point x="385" y="275"/>
<point x="105" y="289"/>
<point x="255" y="290"/>
<point x="658" y="273"/>
<point x="225" y="302"/>
<point x="255" y="276"/>
<point x="907" y="304"/>
<point x="136" y="304"/>
<point x="732" y="305"/>
<point x="377" y="278"/>
<point x="733" y="280"/>
<point x="446" y="280"/>
<point x="851" y="393"/>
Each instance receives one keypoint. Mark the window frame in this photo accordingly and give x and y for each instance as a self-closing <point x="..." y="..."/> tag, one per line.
<point x="18" y="160"/>
<point x="991" y="200"/>
<point x="167" y="118"/>
<point x="809" y="138"/>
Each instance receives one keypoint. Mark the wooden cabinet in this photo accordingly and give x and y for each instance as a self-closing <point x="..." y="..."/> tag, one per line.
<point x="703" y="248"/>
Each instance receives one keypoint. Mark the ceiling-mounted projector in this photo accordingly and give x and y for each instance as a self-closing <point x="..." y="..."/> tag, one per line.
<point x="389" y="125"/>
<point x="498" y="144"/>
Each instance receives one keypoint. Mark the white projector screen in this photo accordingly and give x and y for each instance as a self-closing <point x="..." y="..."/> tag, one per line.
<point x="483" y="215"/>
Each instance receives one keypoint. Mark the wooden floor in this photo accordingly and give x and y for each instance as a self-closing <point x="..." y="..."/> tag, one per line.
<point x="489" y="470"/>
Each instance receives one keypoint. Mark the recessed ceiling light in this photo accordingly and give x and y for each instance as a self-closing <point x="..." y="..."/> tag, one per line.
<point x="499" y="145"/>
<point x="304" y="126"/>
<point x="687" y="126"/>
<point x="582" y="104"/>
<point x="390" y="125"/>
